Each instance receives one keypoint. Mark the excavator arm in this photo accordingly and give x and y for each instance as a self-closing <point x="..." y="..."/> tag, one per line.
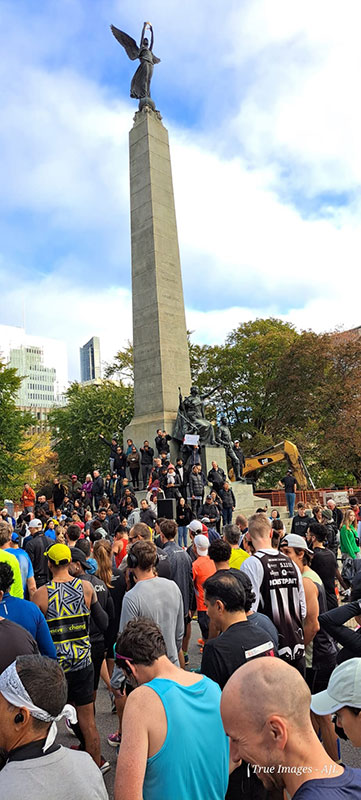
<point x="284" y="451"/>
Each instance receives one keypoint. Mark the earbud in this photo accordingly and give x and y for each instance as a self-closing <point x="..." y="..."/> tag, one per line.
<point x="19" y="718"/>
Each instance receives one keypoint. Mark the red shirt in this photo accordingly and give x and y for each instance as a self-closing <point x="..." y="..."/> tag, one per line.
<point x="202" y="568"/>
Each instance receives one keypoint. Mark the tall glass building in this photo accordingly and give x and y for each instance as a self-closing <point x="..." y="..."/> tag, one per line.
<point x="90" y="369"/>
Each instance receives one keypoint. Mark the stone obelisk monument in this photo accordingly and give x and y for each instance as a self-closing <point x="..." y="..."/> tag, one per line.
<point x="161" y="359"/>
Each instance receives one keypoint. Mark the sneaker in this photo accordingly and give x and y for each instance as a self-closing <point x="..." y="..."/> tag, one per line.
<point x="69" y="728"/>
<point x="200" y="642"/>
<point x="104" y="766"/>
<point x="114" y="739"/>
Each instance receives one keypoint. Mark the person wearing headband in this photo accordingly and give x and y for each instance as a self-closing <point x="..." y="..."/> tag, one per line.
<point x="33" y="693"/>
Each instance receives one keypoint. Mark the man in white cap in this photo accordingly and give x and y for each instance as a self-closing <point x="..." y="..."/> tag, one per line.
<point x="202" y="568"/>
<point x="194" y="527"/>
<point x="35" y="548"/>
<point x="343" y="698"/>
<point x="33" y="693"/>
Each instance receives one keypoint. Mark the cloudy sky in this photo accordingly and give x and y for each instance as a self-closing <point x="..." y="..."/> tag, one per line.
<point x="261" y="100"/>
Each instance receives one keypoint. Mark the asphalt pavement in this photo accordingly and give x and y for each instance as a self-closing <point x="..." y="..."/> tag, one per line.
<point x="107" y="722"/>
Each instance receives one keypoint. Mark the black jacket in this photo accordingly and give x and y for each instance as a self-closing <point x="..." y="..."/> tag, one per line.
<point x="184" y="515"/>
<point x="113" y="447"/>
<point x="98" y="487"/>
<point x="147" y="456"/>
<point x="35" y="548"/>
<point x="58" y="495"/>
<point x="106" y="602"/>
<point x="161" y="443"/>
<point x="196" y="484"/>
<point x="209" y="510"/>
<point x="148" y="517"/>
<point x="227" y="498"/>
<point x="334" y="623"/>
<point x="216" y="477"/>
<point x="120" y="463"/>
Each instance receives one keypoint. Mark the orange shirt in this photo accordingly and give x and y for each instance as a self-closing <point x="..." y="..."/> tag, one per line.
<point x="202" y="568"/>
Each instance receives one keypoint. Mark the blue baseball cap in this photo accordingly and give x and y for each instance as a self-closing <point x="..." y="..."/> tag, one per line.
<point x="14" y="537"/>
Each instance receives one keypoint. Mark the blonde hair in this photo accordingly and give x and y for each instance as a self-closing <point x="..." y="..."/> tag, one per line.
<point x="259" y="526"/>
<point x="347" y="520"/>
<point x="103" y="554"/>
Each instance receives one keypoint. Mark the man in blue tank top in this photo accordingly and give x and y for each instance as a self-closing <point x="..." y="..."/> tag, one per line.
<point x="168" y="712"/>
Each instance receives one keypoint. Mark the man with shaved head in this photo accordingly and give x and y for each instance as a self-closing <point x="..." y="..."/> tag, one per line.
<point x="276" y="736"/>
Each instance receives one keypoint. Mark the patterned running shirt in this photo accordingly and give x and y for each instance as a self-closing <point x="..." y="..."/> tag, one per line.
<point x="68" y="620"/>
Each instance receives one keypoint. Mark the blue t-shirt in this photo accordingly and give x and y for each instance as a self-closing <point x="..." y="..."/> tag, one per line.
<point x="343" y="787"/>
<point x="29" y="616"/>
<point x="26" y="567"/>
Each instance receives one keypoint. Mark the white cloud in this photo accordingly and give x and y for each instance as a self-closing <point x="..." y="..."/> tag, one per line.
<point x="287" y="73"/>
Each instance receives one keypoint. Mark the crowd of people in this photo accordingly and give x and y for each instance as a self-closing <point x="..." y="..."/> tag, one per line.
<point x="95" y="586"/>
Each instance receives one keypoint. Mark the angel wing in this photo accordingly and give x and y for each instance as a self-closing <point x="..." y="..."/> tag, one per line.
<point x="155" y="59"/>
<point x="130" y="46"/>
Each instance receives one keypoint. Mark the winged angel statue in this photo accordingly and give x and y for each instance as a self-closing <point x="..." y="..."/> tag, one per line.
<point x="140" y="85"/>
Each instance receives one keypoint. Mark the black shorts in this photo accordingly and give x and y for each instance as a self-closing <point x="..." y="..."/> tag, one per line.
<point x="97" y="654"/>
<point x="80" y="686"/>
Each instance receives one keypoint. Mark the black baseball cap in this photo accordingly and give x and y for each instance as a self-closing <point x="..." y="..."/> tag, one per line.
<point x="78" y="555"/>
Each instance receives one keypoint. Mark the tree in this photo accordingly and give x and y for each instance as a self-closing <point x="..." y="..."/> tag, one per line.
<point x="122" y="367"/>
<point x="13" y="424"/>
<point x="40" y="459"/>
<point x="91" y="409"/>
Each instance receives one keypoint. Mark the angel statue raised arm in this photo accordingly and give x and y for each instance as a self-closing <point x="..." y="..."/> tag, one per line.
<point x="140" y="85"/>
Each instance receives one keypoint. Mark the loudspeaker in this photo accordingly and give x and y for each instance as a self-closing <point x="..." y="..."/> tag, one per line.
<point x="167" y="508"/>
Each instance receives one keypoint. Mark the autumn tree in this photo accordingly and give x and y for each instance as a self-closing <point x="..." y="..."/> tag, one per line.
<point x="90" y="410"/>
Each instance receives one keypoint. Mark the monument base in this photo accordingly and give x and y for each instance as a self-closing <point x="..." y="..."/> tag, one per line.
<point x="246" y="501"/>
<point x="211" y="453"/>
<point x="145" y="427"/>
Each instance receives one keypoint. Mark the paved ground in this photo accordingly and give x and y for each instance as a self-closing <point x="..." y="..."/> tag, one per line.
<point x="107" y="723"/>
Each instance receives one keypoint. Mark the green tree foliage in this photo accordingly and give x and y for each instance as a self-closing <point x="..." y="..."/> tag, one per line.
<point x="122" y="368"/>
<point x="91" y="409"/>
<point x="274" y="383"/>
<point x="13" y="425"/>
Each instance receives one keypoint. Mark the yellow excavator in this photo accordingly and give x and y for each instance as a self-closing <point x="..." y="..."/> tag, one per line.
<point x="284" y="451"/>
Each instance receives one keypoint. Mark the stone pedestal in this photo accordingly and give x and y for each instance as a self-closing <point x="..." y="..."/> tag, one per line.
<point x="209" y="454"/>
<point x="246" y="502"/>
<point x="161" y="359"/>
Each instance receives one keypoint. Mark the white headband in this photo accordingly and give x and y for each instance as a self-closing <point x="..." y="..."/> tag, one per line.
<point x="15" y="693"/>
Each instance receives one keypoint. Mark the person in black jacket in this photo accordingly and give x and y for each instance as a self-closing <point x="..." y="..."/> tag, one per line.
<point x="336" y="513"/>
<point x="216" y="476"/>
<point x="332" y="531"/>
<point x="184" y="516"/>
<point x="162" y="440"/>
<point x="146" y="461"/>
<point x="97" y="488"/>
<point x="182" y="477"/>
<point x="334" y="623"/>
<point x="78" y="569"/>
<point x="300" y="521"/>
<point x="147" y="515"/>
<point x="58" y="493"/>
<point x="120" y="462"/>
<point x="210" y="510"/>
<point x="113" y="449"/>
<point x="228" y="503"/>
<point x="196" y="489"/>
<point x="36" y="548"/>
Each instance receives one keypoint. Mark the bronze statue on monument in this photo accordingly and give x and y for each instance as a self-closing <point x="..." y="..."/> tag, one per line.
<point x="191" y="418"/>
<point x="140" y="85"/>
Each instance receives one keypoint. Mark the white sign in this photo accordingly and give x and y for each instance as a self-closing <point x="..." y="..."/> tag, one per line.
<point x="191" y="439"/>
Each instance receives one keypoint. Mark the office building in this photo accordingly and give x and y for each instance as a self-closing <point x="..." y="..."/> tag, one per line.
<point x="41" y="362"/>
<point x="90" y="369"/>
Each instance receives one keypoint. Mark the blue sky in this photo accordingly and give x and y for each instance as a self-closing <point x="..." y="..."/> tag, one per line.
<point x="260" y="100"/>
